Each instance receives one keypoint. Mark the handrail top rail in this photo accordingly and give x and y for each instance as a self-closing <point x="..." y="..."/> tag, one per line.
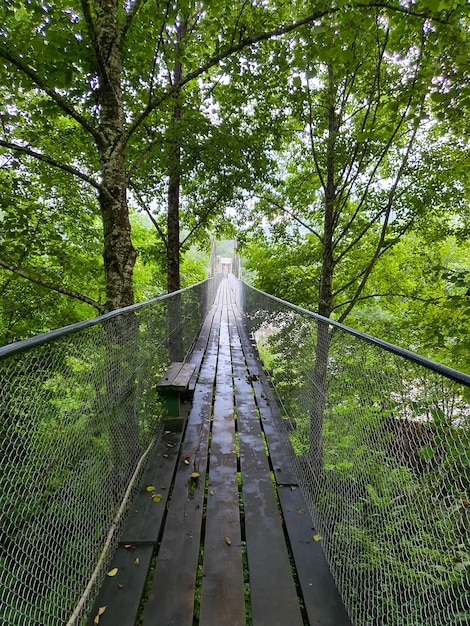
<point x="444" y="370"/>
<point x="52" y="335"/>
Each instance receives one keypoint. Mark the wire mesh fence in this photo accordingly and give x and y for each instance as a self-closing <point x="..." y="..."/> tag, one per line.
<point x="78" y="412"/>
<point x="381" y="444"/>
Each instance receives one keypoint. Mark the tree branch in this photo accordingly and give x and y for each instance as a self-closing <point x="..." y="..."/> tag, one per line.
<point x="202" y="221"/>
<point x="65" y="106"/>
<point x="235" y="28"/>
<point x="155" y="56"/>
<point x="44" y="282"/>
<point x="312" y="139"/>
<point x="93" y="37"/>
<point x="146" y="208"/>
<point x="379" y="252"/>
<point x="374" y="101"/>
<point x="383" y="155"/>
<point x="389" y="295"/>
<point x="245" y="42"/>
<point x="130" y="17"/>
<point x="294" y="217"/>
<point x="47" y="159"/>
<point x="141" y="158"/>
<point x="224" y="54"/>
<point x="360" y="235"/>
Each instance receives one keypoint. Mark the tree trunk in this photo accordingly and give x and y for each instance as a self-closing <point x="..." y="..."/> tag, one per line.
<point x="173" y="250"/>
<point x="175" y="332"/>
<point x="119" y="254"/>
<point x="173" y="223"/>
<point x="174" y="183"/>
<point x="325" y="292"/>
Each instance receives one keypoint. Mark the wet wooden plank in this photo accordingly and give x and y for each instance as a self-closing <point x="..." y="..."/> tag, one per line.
<point x="121" y="594"/>
<point x="170" y="374"/>
<point x="145" y="516"/>
<point x="171" y="596"/>
<point x="200" y="346"/>
<point x="274" y="599"/>
<point x="181" y="381"/>
<point x="279" y="445"/>
<point x="222" y="598"/>
<point x="322" y="601"/>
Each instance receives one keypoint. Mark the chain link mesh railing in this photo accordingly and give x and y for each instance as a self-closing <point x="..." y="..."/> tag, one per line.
<point x="381" y="442"/>
<point x="78" y="413"/>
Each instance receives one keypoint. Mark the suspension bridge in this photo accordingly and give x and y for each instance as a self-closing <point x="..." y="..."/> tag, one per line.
<point x="284" y="470"/>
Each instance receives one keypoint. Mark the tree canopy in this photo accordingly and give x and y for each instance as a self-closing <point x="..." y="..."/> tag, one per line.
<point x="331" y="138"/>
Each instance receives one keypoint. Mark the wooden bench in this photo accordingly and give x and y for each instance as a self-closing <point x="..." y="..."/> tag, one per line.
<point x="173" y="384"/>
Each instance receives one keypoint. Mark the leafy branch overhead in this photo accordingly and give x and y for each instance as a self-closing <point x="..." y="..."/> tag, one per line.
<point x="186" y="112"/>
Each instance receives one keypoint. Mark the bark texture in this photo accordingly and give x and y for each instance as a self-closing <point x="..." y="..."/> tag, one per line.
<point x="325" y="294"/>
<point x="175" y="331"/>
<point x="119" y="254"/>
<point x="174" y="183"/>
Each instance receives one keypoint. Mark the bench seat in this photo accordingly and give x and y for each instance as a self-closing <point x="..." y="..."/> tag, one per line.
<point x="176" y="381"/>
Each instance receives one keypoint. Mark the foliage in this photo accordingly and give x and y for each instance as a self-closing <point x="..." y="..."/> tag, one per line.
<point x="58" y="253"/>
<point x="366" y="169"/>
<point x="205" y="96"/>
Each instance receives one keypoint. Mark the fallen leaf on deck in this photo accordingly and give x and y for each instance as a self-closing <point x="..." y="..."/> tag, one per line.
<point x="137" y="561"/>
<point x="165" y="456"/>
<point x="293" y="487"/>
<point x="316" y="537"/>
<point x="228" y="541"/>
<point x="101" y="610"/>
<point x="120" y="586"/>
<point x="113" y="572"/>
<point x="157" y="497"/>
<point x="212" y="492"/>
<point x="195" y="475"/>
<point x="128" y="546"/>
<point x="186" y="462"/>
<point x="300" y="511"/>
<point x="150" y="488"/>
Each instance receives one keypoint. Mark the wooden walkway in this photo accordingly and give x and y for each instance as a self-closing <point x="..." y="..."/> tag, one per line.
<point x="229" y="540"/>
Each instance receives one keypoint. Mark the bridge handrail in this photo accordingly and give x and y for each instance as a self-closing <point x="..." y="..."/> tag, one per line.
<point x="409" y="355"/>
<point x="380" y="439"/>
<point x="52" y="335"/>
<point x="78" y="414"/>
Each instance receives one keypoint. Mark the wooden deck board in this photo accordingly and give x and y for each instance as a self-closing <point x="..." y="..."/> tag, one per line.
<point x="322" y="600"/>
<point x="274" y="599"/>
<point x="222" y="598"/>
<point x="146" y="516"/>
<point x="121" y="594"/>
<point x="268" y="409"/>
<point x="171" y="596"/>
